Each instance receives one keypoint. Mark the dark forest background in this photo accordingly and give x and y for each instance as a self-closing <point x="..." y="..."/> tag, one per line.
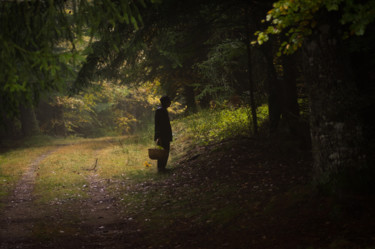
<point x="93" y="68"/>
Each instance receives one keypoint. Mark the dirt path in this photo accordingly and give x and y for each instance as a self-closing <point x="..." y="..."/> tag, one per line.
<point x="101" y="223"/>
<point x="236" y="194"/>
<point x="93" y="222"/>
<point x="18" y="217"/>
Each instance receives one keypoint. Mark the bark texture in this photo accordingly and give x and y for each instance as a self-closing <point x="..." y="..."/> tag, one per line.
<point x="336" y="132"/>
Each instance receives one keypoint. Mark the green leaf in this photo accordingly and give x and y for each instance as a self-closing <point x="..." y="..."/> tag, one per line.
<point x="268" y="17"/>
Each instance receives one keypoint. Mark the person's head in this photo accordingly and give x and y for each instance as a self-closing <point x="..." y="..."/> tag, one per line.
<point x="165" y="101"/>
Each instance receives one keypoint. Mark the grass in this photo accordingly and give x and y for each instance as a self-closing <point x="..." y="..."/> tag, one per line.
<point x="200" y="200"/>
<point x="210" y="126"/>
<point x="17" y="155"/>
<point x="13" y="165"/>
<point x="61" y="176"/>
<point x="117" y="157"/>
<point x="64" y="174"/>
<point x="124" y="157"/>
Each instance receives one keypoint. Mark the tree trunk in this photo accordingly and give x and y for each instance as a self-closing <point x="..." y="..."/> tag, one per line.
<point x="29" y="122"/>
<point x="250" y="76"/>
<point x="336" y="133"/>
<point x="274" y="89"/>
<point x="59" y="127"/>
<point x="295" y="126"/>
<point x="274" y="101"/>
<point x="290" y="109"/>
<point x="190" y="99"/>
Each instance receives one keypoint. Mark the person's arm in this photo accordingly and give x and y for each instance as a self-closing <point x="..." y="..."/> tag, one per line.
<point x="157" y="125"/>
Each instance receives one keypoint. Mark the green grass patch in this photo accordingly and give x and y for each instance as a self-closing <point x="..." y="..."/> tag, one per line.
<point x="63" y="174"/>
<point x="126" y="158"/>
<point x="209" y="126"/>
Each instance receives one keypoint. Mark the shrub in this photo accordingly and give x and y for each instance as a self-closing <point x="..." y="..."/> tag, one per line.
<point x="214" y="125"/>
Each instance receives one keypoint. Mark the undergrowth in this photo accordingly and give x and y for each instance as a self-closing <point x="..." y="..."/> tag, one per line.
<point x="214" y="125"/>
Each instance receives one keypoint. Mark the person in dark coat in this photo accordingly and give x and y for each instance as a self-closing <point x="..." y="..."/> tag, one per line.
<point x="163" y="130"/>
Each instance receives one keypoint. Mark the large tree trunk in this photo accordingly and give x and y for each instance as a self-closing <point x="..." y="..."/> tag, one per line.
<point x="274" y="88"/>
<point x="295" y="126"/>
<point x="336" y="133"/>
<point x="290" y="109"/>
<point x="28" y="120"/>
<point x="250" y="75"/>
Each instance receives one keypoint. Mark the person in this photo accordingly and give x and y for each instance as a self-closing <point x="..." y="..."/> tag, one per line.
<point x="163" y="130"/>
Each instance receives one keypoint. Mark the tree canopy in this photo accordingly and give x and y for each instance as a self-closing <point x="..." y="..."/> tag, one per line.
<point x="41" y="43"/>
<point x="297" y="20"/>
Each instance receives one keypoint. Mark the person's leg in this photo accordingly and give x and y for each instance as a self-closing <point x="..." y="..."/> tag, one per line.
<point x="162" y="163"/>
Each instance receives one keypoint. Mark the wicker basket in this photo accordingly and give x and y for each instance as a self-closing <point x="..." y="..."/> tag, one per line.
<point x="156" y="154"/>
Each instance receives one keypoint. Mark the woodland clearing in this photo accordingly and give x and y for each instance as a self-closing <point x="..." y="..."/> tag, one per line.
<point x="247" y="79"/>
<point x="237" y="193"/>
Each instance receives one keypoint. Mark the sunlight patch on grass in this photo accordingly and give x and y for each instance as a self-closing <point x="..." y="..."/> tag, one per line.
<point x="63" y="174"/>
<point x="127" y="156"/>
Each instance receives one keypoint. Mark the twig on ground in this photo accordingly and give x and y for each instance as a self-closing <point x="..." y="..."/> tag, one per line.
<point x="95" y="164"/>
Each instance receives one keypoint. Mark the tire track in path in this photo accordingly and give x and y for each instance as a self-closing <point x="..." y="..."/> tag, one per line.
<point x="16" y="221"/>
<point x="92" y="222"/>
<point x="101" y="221"/>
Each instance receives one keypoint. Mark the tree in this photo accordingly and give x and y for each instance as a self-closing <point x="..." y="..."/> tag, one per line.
<point x="164" y="49"/>
<point x="196" y="49"/>
<point x="334" y="95"/>
<point x="39" y="44"/>
<point x="32" y="61"/>
<point x="29" y="123"/>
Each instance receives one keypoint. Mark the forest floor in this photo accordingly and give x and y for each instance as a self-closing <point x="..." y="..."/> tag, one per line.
<point x="239" y="193"/>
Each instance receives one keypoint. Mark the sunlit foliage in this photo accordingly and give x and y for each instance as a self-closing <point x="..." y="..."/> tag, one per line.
<point x="213" y="125"/>
<point x="108" y="108"/>
<point x="297" y="19"/>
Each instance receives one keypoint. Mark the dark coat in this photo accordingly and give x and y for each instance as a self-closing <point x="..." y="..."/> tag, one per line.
<point x="163" y="128"/>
